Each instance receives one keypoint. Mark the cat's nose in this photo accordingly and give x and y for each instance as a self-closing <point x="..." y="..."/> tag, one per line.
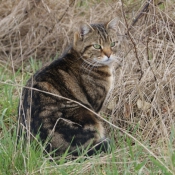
<point x="107" y="52"/>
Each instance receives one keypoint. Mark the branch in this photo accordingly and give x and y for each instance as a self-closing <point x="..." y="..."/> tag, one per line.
<point x="144" y="9"/>
<point x="134" y="44"/>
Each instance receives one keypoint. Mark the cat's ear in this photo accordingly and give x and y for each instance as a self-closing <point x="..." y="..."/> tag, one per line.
<point x="113" y="24"/>
<point x="84" y="29"/>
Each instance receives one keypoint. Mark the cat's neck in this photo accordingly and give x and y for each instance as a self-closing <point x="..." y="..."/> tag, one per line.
<point x="80" y="63"/>
<point x="95" y="81"/>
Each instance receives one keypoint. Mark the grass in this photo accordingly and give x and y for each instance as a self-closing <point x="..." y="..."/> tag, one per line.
<point x="29" y="159"/>
<point x="127" y="156"/>
<point x="140" y="113"/>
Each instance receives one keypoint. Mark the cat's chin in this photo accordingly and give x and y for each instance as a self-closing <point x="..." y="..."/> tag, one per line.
<point x="105" y="63"/>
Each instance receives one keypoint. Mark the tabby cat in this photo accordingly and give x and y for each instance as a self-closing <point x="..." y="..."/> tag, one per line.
<point x="83" y="74"/>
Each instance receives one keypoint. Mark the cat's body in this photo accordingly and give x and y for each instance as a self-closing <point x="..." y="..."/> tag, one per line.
<point x="83" y="74"/>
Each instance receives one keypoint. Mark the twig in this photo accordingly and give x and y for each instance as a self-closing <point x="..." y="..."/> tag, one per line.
<point x="62" y="16"/>
<point x="134" y="44"/>
<point x="144" y="9"/>
<point x="147" y="50"/>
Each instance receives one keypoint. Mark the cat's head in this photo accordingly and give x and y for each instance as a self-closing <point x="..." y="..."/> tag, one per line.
<point x="98" y="44"/>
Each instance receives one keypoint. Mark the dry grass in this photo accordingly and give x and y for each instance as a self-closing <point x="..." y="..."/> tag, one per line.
<point x="144" y="94"/>
<point x="143" y="100"/>
<point x="41" y="29"/>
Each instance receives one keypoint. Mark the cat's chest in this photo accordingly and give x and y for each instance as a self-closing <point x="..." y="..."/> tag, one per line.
<point x="96" y="87"/>
<point x="111" y="81"/>
<point x="96" y="81"/>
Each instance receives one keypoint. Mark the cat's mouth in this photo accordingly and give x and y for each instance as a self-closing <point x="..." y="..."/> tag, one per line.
<point x="108" y="60"/>
<point x="104" y="61"/>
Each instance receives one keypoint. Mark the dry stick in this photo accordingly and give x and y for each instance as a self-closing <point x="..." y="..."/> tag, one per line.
<point x="134" y="44"/>
<point x="116" y="127"/>
<point x="144" y="9"/>
<point x="147" y="47"/>
<point x="62" y="16"/>
<point x="147" y="50"/>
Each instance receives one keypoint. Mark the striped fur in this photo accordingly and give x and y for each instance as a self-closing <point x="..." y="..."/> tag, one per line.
<point x="83" y="74"/>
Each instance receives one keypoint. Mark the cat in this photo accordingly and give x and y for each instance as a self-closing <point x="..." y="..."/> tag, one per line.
<point x="83" y="74"/>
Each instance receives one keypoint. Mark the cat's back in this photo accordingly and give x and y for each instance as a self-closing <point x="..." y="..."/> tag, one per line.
<point x="61" y="78"/>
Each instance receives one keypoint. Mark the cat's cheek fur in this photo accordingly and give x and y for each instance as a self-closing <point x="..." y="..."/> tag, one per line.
<point x="108" y="61"/>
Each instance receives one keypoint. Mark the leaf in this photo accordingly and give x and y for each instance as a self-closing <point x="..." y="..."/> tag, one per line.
<point x="160" y="166"/>
<point x="140" y="165"/>
<point x="143" y="105"/>
<point x="111" y="105"/>
<point x="127" y="110"/>
<point x="173" y="159"/>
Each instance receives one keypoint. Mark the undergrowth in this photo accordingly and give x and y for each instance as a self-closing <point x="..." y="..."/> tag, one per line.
<point x="20" y="157"/>
<point x="140" y="112"/>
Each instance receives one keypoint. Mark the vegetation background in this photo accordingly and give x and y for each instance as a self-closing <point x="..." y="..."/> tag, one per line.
<point x="139" y="114"/>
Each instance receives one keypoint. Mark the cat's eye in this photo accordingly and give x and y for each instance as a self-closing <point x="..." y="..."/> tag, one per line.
<point x="112" y="44"/>
<point x="97" y="46"/>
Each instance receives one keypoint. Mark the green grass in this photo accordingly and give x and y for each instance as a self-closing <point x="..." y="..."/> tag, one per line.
<point x="29" y="158"/>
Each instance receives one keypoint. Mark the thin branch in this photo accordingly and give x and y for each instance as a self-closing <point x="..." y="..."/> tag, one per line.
<point x="147" y="50"/>
<point x="144" y="9"/>
<point x="62" y="16"/>
<point x="134" y="44"/>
